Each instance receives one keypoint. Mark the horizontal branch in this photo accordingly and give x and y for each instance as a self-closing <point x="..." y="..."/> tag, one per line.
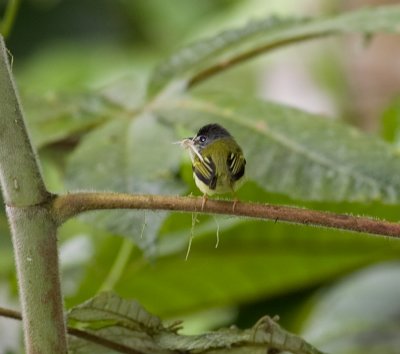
<point x="69" y="205"/>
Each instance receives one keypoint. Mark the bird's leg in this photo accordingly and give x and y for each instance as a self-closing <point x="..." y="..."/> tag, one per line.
<point x="235" y="200"/>
<point x="204" y="201"/>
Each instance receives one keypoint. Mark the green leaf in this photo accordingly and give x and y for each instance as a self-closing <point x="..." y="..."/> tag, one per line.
<point x="254" y="260"/>
<point x="236" y="45"/>
<point x="126" y="322"/>
<point x="88" y="278"/>
<point x="359" y="314"/>
<point x="390" y="126"/>
<point x="58" y="116"/>
<point x="131" y="156"/>
<point x="295" y="153"/>
<point x="108" y="309"/>
<point x="52" y="119"/>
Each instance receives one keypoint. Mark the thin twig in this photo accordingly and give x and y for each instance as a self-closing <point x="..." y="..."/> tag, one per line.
<point x="102" y="341"/>
<point x="69" y="205"/>
<point x="221" y="66"/>
<point x="79" y="333"/>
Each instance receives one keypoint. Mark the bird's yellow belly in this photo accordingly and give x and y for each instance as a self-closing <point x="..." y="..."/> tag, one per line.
<point x="223" y="185"/>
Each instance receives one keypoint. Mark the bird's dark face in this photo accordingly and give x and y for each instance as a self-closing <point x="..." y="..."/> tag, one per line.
<point x="208" y="134"/>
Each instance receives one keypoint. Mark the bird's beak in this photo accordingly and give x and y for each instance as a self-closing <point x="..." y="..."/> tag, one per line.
<point x="184" y="142"/>
<point x="188" y="143"/>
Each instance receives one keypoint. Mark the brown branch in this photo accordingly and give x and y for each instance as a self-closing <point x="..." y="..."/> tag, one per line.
<point x="66" y="206"/>
<point x="219" y="67"/>
<point x="90" y="337"/>
<point x="15" y="315"/>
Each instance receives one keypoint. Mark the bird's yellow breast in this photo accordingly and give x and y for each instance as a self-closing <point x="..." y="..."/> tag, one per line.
<point x="218" y="152"/>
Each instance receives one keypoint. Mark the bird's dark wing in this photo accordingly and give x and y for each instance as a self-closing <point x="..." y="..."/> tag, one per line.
<point x="206" y="171"/>
<point x="236" y="165"/>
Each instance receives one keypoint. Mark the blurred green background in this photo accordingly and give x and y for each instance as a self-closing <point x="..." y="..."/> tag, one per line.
<point x="78" y="62"/>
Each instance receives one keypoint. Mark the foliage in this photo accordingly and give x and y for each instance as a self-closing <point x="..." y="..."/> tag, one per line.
<point x="127" y="323"/>
<point x="301" y="155"/>
<point x="355" y="330"/>
<point x="260" y="36"/>
<point x="118" y="138"/>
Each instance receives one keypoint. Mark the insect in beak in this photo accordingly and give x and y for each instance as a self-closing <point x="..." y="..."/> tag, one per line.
<point x="188" y="143"/>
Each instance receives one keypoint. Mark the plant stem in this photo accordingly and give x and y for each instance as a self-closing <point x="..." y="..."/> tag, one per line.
<point x="35" y="247"/>
<point x="9" y="17"/>
<point x="119" y="265"/>
<point x="32" y="225"/>
<point x="66" y="206"/>
<point x="20" y="176"/>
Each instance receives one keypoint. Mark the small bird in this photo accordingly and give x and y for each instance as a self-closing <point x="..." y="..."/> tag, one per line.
<point x="218" y="162"/>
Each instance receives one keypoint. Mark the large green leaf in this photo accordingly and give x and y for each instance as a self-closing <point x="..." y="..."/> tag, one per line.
<point x="121" y="321"/>
<point x="390" y="124"/>
<point x="256" y="37"/>
<point x="127" y="323"/>
<point x="295" y="153"/>
<point x="254" y="260"/>
<point x="359" y="314"/>
<point x="56" y="116"/>
<point x="132" y="156"/>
